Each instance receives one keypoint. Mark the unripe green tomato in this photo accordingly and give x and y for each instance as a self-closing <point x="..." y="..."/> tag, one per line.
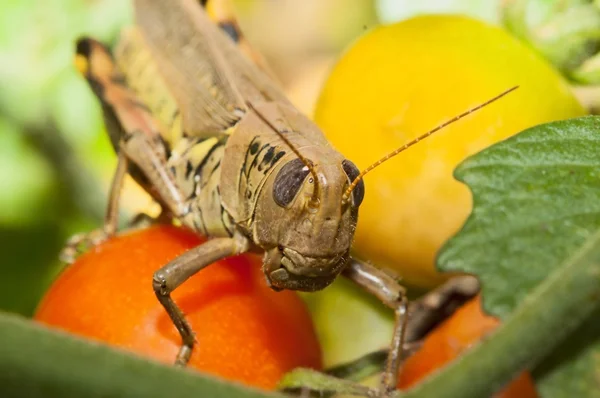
<point x="400" y="80"/>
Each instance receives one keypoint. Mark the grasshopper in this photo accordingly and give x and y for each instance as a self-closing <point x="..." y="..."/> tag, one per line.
<point x="217" y="144"/>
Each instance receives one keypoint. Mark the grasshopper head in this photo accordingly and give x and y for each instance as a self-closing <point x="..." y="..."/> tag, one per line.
<point x="310" y="244"/>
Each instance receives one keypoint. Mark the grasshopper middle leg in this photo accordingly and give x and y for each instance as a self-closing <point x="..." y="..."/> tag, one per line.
<point x="392" y="294"/>
<point x="172" y="275"/>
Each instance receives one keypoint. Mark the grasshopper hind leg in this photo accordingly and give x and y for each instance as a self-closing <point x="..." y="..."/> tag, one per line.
<point x="134" y="136"/>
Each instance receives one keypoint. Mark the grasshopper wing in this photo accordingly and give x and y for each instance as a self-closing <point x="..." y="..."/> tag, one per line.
<point x="207" y="74"/>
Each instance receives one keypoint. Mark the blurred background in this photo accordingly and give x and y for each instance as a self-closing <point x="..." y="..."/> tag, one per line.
<point x="56" y="161"/>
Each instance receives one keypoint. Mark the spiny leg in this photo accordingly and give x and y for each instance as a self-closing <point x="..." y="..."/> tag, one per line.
<point x="437" y="305"/>
<point x="82" y="242"/>
<point x="141" y="149"/>
<point x="392" y="294"/>
<point x="172" y="275"/>
<point x="424" y="314"/>
<point x="133" y="133"/>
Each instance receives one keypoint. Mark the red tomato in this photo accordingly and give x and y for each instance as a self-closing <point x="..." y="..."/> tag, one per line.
<point x="464" y="328"/>
<point x="245" y="331"/>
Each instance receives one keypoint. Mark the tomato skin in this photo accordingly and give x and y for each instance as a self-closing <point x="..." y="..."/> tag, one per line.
<point x="245" y="331"/>
<point x="456" y="334"/>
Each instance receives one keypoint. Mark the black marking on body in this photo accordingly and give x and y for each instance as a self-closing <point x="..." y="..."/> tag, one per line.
<point x="198" y="170"/>
<point x="84" y="47"/>
<point x="118" y="79"/>
<point x="231" y="29"/>
<point x="198" y="227"/>
<point x="203" y="228"/>
<point x="199" y="183"/>
<point x="192" y="195"/>
<point x="214" y="169"/>
<point x="255" y="160"/>
<point x="275" y="159"/>
<point x="165" y="145"/>
<point x="188" y="169"/>
<point x="226" y="216"/>
<point x="97" y="87"/>
<point x="127" y="135"/>
<point x="197" y="140"/>
<point x="269" y="155"/>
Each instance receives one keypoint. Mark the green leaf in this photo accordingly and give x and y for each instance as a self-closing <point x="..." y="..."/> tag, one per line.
<point x="27" y="179"/>
<point x="37" y="362"/>
<point x="536" y="200"/>
<point x="565" y="32"/>
<point x="550" y="313"/>
<point x="316" y="381"/>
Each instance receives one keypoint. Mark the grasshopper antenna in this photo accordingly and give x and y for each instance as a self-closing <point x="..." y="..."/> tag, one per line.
<point x="314" y="200"/>
<point x="390" y="155"/>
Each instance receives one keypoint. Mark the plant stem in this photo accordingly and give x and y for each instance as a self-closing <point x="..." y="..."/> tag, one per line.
<point x="37" y="362"/>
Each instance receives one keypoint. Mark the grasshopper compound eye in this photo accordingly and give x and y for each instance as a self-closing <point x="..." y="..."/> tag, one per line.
<point x="288" y="182"/>
<point x="352" y="172"/>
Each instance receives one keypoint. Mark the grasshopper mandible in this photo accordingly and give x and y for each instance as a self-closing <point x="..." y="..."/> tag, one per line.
<point x="221" y="149"/>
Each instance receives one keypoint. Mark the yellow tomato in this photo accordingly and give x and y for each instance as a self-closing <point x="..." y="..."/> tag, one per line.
<point x="401" y="80"/>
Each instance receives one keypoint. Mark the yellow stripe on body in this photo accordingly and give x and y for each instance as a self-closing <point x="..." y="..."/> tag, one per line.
<point x="135" y="61"/>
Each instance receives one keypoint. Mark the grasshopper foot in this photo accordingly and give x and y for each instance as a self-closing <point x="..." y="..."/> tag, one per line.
<point x="81" y="243"/>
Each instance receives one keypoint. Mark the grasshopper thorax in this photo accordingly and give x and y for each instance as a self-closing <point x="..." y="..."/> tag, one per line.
<point x="288" y="197"/>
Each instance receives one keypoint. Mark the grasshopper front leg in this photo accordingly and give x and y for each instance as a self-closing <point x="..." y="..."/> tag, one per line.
<point x="392" y="294"/>
<point x="172" y="275"/>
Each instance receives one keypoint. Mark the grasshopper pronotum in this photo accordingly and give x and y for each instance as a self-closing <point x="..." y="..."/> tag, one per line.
<point x="218" y="145"/>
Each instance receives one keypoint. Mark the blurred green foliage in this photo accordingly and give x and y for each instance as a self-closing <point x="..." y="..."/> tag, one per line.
<point x="565" y="32"/>
<point x="55" y="159"/>
<point x="49" y="123"/>
<point x="397" y="10"/>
